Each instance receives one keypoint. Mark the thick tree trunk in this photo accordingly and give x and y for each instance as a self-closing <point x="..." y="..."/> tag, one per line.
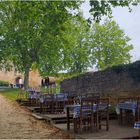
<point x="26" y="76"/>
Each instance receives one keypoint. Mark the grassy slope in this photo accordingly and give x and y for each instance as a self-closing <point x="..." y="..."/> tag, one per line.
<point x="13" y="93"/>
<point x="10" y="93"/>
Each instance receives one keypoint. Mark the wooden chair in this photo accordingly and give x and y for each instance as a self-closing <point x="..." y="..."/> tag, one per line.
<point x="59" y="103"/>
<point x="103" y="113"/>
<point x="70" y="98"/>
<point x="48" y="104"/>
<point x="41" y="103"/>
<point x="32" y="99"/>
<point x="85" y="116"/>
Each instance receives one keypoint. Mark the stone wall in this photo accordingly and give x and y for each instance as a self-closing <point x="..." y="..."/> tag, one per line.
<point x="108" y="82"/>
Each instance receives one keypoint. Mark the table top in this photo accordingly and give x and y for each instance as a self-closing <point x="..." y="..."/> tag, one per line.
<point x="76" y="108"/>
<point x="137" y="125"/>
<point x="127" y="105"/>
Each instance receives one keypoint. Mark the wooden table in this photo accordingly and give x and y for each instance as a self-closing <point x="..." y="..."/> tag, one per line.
<point x="137" y="126"/>
<point x="132" y="106"/>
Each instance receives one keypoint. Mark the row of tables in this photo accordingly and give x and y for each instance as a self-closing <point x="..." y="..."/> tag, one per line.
<point x="132" y="106"/>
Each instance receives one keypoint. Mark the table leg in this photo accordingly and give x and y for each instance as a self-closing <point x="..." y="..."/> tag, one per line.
<point x="139" y="133"/>
<point x="121" y="116"/>
<point x="68" y="119"/>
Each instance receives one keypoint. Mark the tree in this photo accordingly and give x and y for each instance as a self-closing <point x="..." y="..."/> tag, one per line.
<point x="100" y="8"/>
<point x="110" y="46"/>
<point x="75" y="39"/>
<point x="31" y="34"/>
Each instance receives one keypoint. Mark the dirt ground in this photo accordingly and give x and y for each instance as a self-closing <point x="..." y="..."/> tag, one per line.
<point x="17" y="123"/>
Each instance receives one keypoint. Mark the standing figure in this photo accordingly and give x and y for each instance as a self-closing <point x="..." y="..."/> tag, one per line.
<point x="47" y="81"/>
<point x="20" y="83"/>
<point x="21" y="93"/>
<point x="47" y="85"/>
<point x="42" y="83"/>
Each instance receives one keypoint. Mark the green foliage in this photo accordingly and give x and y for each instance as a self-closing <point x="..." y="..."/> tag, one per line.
<point x="132" y="69"/>
<point x="47" y="36"/>
<point x="10" y="93"/>
<point x="4" y="83"/>
<point x="76" y="50"/>
<point x="100" y="8"/>
<point x="31" y="33"/>
<point x="110" y="46"/>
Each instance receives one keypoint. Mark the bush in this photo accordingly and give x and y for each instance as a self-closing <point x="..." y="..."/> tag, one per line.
<point x="132" y="69"/>
<point x="4" y="83"/>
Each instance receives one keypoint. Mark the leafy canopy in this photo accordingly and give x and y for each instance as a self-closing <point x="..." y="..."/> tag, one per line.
<point x="110" y="46"/>
<point x="52" y="36"/>
<point x="100" y="8"/>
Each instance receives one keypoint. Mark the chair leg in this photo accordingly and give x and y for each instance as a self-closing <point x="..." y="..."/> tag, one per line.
<point x="97" y="121"/>
<point x="81" y="125"/>
<point x="92" y="122"/>
<point x="75" y="125"/>
<point x="107" y="122"/>
<point x="100" y="127"/>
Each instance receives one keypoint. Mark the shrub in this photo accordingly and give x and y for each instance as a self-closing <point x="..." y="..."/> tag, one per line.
<point x="4" y="83"/>
<point x="132" y="69"/>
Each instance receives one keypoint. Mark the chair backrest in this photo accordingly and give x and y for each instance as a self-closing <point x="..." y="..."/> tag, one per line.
<point x="70" y="98"/>
<point x="41" y="98"/>
<point x="49" y="97"/>
<point x="85" y="95"/>
<point x="59" y="97"/>
<point x="104" y="103"/>
<point x="87" y="106"/>
<point x="126" y="99"/>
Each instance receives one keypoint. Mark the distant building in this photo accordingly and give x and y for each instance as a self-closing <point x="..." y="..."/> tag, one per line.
<point x="13" y="77"/>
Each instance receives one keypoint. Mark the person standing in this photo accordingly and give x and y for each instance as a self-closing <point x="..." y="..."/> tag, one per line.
<point x="42" y="83"/>
<point x="21" y="93"/>
<point x="47" y="84"/>
<point x="20" y="83"/>
<point x="47" y="81"/>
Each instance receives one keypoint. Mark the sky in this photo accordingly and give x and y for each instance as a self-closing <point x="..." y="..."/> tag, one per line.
<point x="129" y="22"/>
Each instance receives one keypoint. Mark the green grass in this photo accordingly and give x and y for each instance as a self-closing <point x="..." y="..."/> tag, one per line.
<point x="10" y="93"/>
<point x="13" y="93"/>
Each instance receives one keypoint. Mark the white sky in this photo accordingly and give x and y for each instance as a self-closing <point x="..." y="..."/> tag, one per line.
<point x="129" y="22"/>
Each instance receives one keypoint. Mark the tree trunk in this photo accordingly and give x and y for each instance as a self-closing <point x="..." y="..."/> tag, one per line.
<point x="26" y="76"/>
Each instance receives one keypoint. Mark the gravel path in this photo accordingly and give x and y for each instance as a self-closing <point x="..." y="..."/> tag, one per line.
<point x="17" y="123"/>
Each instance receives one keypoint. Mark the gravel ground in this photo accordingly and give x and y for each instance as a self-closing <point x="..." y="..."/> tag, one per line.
<point x="17" y="123"/>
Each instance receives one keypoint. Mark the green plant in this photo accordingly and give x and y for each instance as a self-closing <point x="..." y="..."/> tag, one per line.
<point x="132" y="69"/>
<point x="10" y="93"/>
<point x="4" y="83"/>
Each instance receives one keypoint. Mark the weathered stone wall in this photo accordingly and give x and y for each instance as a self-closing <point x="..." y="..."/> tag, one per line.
<point x="107" y="82"/>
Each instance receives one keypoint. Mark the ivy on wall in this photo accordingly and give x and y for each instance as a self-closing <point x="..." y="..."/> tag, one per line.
<point x="132" y="69"/>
